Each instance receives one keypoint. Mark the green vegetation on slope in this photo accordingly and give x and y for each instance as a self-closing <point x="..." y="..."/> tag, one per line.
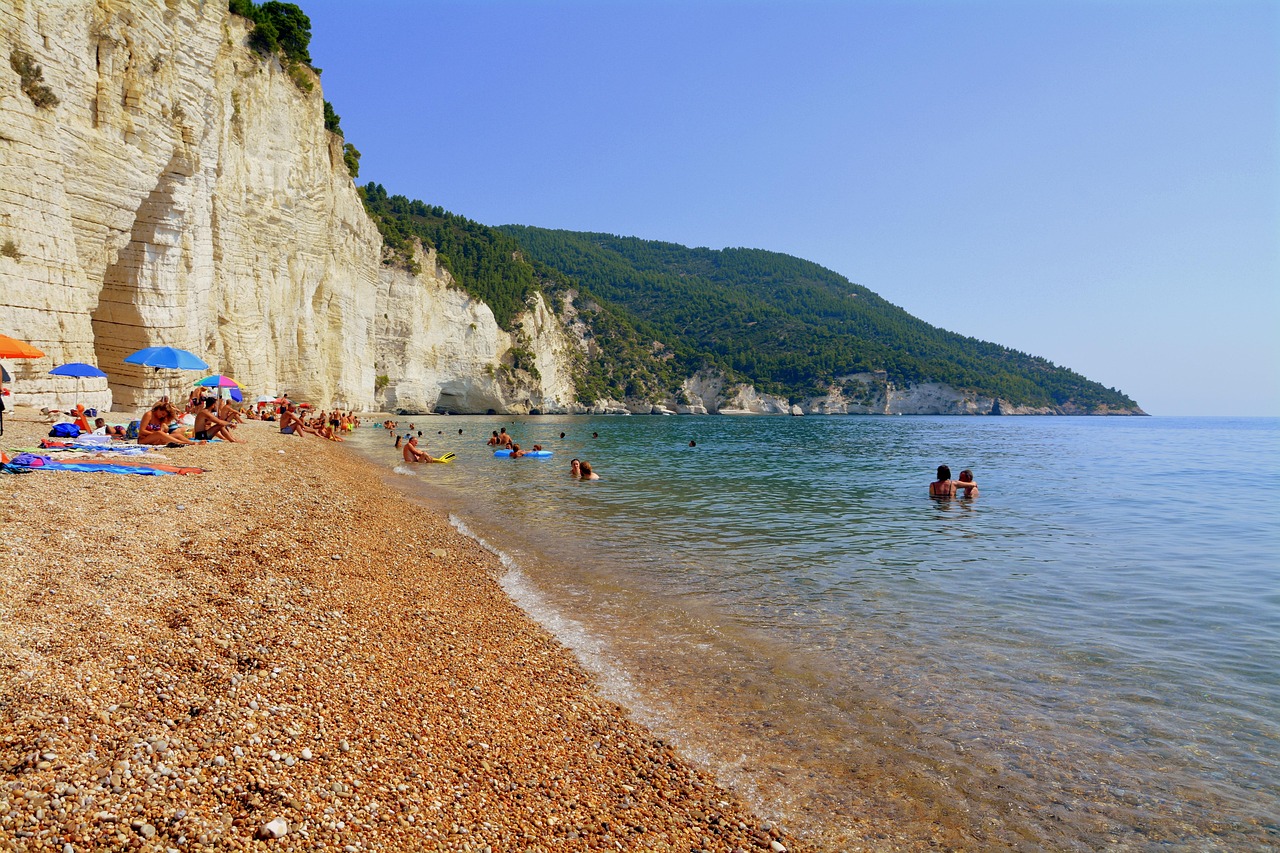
<point x="490" y="266"/>
<point x="792" y="326"/>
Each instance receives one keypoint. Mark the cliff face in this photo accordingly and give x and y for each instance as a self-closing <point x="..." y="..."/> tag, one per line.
<point x="184" y="192"/>
<point x="439" y="349"/>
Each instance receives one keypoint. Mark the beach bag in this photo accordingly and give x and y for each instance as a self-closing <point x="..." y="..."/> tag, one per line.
<point x="132" y="430"/>
<point x="64" y="431"/>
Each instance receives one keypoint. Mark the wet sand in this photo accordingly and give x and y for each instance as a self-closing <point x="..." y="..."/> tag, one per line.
<point x="282" y="644"/>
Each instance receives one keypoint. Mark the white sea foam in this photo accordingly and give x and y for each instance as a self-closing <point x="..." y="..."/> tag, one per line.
<point x="591" y="650"/>
<point x="405" y="470"/>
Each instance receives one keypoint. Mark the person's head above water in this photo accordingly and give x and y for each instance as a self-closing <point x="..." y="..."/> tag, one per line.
<point x="944" y="473"/>
<point x="966" y="476"/>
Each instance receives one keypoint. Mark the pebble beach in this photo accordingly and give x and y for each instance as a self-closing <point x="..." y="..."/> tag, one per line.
<point x="282" y="654"/>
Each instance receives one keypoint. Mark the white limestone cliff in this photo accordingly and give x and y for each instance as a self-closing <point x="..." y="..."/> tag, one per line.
<point x="184" y="192"/>
<point x="440" y="349"/>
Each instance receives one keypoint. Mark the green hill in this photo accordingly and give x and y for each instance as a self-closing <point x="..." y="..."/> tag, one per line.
<point x="790" y="326"/>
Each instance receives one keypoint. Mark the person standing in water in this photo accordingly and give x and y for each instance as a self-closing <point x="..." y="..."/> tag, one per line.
<point x="967" y="485"/>
<point x="943" y="487"/>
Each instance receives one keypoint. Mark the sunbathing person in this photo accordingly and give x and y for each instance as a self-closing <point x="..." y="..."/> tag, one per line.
<point x="154" y="428"/>
<point x="290" y="423"/>
<point x="209" y="425"/>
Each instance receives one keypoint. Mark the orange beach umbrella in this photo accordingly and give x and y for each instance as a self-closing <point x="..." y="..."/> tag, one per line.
<point x="14" y="348"/>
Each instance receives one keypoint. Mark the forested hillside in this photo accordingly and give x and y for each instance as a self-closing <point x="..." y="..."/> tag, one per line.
<point x="489" y="265"/>
<point x="790" y="326"/>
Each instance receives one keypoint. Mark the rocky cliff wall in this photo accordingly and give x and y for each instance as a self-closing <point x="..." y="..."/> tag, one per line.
<point x="440" y="349"/>
<point x="184" y="192"/>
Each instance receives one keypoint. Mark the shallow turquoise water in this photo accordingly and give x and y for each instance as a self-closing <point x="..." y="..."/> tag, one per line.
<point x="1085" y="656"/>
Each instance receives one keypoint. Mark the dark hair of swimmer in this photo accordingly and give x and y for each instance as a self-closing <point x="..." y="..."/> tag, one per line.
<point x="944" y="473"/>
<point x="562" y="435"/>
<point x="693" y="444"/>
<point x="966" y="476"/>
<point x="595" y="435"/>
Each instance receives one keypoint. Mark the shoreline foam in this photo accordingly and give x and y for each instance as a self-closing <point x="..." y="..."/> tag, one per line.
<point x="187" y="659"/>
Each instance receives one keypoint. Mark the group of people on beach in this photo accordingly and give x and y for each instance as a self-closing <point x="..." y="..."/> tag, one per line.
<point x="324" y="424"/>
<point x="163" y="424"/>
<point x="945" y="487"/>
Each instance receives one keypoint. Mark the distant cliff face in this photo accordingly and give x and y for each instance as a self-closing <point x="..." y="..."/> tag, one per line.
<point x="184" y="192"/>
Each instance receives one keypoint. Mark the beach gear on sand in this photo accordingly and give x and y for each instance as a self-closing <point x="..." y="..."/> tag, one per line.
<point x="40" y="462"/>
<point x="64" y="431"/>
<point x="533" y="454"/>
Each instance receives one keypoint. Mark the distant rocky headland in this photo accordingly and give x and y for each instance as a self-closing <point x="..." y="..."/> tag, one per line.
<point x="170" y="174"/>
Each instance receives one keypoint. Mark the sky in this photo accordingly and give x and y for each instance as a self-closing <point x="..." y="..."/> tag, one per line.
<point x="1097" y="183"/>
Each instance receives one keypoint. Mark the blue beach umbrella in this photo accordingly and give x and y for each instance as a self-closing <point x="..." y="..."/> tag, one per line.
<point x="171" y="357"/>
<point x="167" y="357"/>
<point x="79" y="370"/>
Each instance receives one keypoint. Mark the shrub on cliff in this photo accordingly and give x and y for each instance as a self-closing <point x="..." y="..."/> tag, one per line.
<point x="31" y="79"/>
<point x="277" y="28"/>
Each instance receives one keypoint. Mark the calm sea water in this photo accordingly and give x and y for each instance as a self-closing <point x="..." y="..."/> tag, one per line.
<point x="1086" y="656"/>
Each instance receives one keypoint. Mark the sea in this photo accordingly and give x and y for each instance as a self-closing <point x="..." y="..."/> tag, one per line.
<point x="1085" y="656"/>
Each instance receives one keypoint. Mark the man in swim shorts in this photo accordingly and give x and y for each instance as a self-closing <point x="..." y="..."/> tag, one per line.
<point x="413" y="454"/>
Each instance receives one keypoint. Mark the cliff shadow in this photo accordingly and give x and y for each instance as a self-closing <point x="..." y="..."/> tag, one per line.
<point x="143" y="300"/>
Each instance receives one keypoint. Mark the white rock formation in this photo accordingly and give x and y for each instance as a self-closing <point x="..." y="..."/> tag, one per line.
<point x="185" y="192"/>
<point x="441" y="349"/>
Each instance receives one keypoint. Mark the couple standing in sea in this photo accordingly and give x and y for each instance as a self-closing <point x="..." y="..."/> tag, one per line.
<point x="945" y="487"/>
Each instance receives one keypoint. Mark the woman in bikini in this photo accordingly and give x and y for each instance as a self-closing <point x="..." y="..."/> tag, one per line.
<point x="943" y="487"/>
<point x="153" y="428"/>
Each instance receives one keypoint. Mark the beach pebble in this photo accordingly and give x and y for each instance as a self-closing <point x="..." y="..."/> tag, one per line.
<point x="277" y="828"/>
<point x="306" y="754"/>
<point x="777" y="847"/>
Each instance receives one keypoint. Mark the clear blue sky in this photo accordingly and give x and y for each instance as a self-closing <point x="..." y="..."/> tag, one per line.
<point x="1097" y="183"/>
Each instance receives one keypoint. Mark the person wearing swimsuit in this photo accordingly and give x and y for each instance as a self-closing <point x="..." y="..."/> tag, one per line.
<point x="152" y="428"/>
<point x="943" y="487"/>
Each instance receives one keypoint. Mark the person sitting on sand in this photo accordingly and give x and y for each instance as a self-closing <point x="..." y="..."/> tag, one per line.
<point x="290" y="423"/>
<point x="209" y="426"/>
<point x="575" y="469"/>
<point x="587" y="473"/>
<point x="967" y="485"/>
<point x="229" y="413"/>
<point x="153" y="429"/>
<point x="943" y="487"/>
<point x="413" y="454"/>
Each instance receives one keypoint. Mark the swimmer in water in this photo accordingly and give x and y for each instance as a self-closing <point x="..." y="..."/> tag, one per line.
<point x="967" y="485"/>
<point x="944" y="486"/>
<point x="587" y="473"/>
<point x="575" y="469"/>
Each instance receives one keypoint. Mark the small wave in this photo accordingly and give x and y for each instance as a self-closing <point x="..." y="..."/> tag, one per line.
<point x="405" y="470"/>
<point x="590" y="650"/>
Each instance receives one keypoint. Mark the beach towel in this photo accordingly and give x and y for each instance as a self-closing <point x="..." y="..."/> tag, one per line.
<point x="131" y="431"/>
<point x="39" y="462"/>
